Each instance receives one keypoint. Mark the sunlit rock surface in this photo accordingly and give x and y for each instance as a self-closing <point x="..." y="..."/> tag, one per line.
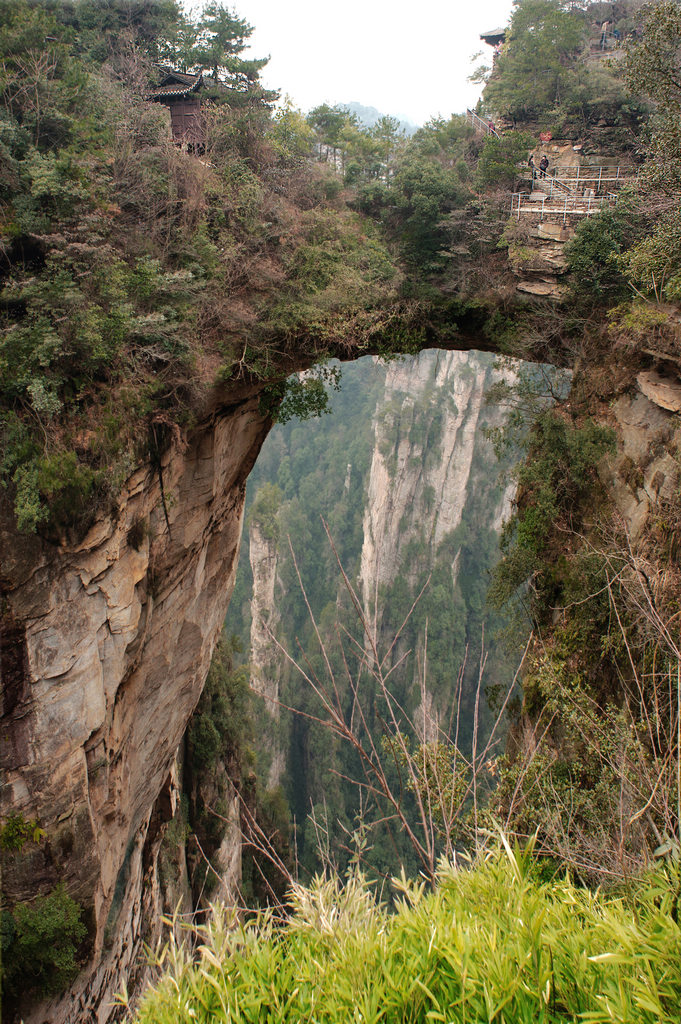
<point x="419" y="484"/>
<point x="111" y="641"/>
<point x="265" y="657"/>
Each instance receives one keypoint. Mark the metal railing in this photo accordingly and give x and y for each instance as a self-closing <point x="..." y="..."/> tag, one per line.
<point x="576" y="185"/>
<point x="551" y="185"/>
<point x="480" y="124"/>
<point x="598" y="175"/>
<point x="571" y="179"/>
<point x="567" y="206"/>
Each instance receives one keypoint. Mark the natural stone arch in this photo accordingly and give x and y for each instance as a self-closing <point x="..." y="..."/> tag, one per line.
<point x="106" y="643"/>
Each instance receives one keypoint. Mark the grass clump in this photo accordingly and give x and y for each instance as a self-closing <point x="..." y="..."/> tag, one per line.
<point x="493" y="943"/>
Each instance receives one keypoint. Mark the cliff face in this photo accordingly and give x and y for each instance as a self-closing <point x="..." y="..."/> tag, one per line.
<point x="645" y="472"/>
<point x="106" y="646"/>
<point x="265" y="659"/>
<point x="428" y="435"/>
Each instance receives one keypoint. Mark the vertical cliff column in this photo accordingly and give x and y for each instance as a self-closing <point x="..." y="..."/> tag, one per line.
<point x="431" y="462"/>
<point x="109" y="642"/>
<point x="265" y="658"/>
<point x="427" y="431"/>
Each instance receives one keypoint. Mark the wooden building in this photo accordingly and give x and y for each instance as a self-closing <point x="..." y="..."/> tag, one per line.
<point x="181" y="93"/>
<point x="494" y="37"/>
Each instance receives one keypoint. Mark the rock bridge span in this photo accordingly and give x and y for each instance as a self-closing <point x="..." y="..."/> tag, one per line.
<point x="107" y="640"/>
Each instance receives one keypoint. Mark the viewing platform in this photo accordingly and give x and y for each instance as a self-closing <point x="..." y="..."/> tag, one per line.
<point x="601" y="179"/>
<point x="578" y="192"/>
<point x="558" y="205"/>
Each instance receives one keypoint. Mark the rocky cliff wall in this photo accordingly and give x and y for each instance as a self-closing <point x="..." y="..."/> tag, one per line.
<point x="265" y="658"/>
<point x="427" y="433"/>
<point x="106" y="646"/>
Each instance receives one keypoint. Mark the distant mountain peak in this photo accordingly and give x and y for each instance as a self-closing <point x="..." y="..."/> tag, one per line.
<point x="370" y="115"/>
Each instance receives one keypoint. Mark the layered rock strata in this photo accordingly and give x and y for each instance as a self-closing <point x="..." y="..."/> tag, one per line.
<point x="106" y="647"/>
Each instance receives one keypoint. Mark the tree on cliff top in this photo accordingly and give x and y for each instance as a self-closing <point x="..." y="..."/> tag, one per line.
<point x="215" y="43"/>
<point x="652" y="66"/>
<point x="545" y="68"/>
<point x="653" y="62"/>
<point x="531" y="71"/>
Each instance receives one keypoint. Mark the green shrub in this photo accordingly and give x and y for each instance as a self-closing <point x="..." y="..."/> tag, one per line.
<point x="423" y="192"/>
<point x="500" y="157"/>
<point x="17" y="831"/>
<point x="42" y="940"/>
<point x="56" y="486"/>
<point x="593" y="257"/>
<point x="558" y="475"/>
<point x="264" y="511"/>
<point x="220" y="724"/>
<point x="302" y="396"/>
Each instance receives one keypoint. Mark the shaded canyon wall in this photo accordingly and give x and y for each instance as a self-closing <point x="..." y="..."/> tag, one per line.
<point x="106" y="647"/>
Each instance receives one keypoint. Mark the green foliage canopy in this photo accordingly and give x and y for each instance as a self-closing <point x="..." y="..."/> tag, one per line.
<point x="652" y="66"/>
<point x="125" y="257"/>
<point x="545" y="71"/>
<point x="40" y="943"/>
<point x="544" y="38"/>
<point x="554" y="483"/>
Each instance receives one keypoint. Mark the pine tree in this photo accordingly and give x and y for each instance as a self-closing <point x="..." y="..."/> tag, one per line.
<point x="215" y="44"/>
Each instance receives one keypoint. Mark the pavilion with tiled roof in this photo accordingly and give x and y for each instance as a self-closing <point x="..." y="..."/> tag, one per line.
<point x="494" y="36"/>
<point x="180" y="92"/>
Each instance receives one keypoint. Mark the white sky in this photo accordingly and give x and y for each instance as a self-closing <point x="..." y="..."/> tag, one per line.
<point x="410" y="59"/>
